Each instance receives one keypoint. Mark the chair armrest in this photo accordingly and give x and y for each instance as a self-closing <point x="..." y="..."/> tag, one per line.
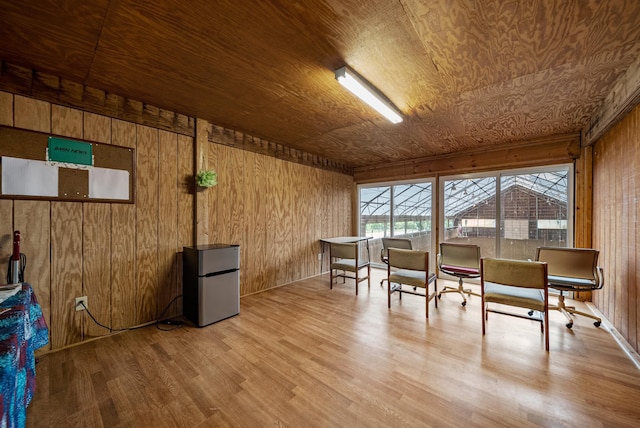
<point x="599" y="277"/>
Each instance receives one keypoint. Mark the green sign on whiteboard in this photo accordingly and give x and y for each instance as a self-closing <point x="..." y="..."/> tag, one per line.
<point x="70" y="151"/>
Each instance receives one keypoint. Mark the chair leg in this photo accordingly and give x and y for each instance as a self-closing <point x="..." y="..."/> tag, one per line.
<point x="331" y="279"/>
<point x="426" y="298"/>
<point x="546" y="330"/>
<point x="483" y="310"/>
<point x="461" y="290"/>
<point x="569" y="311"/>
<point x="435" y="291"/>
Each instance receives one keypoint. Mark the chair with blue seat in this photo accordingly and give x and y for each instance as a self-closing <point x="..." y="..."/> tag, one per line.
<point x="387" y="243"/>
<point x="517" y="283"/>
<point x="410" y="267"/>
<point x="345" y="257"/>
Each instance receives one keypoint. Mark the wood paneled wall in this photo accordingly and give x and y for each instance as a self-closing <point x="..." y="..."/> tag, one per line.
<point x="276" y="210"/>
<point x="616" y="231"/>
<point x="126" y="258"/>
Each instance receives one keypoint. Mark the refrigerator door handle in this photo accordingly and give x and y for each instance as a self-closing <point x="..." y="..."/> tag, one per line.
<point x="222" y="272"/>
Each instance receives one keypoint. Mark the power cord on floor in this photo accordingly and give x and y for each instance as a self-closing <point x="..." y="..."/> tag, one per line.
<point x="175" y="323"/>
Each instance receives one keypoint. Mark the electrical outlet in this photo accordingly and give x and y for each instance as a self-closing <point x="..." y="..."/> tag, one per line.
<point x="319" y="256"/>
<point x="84" y="300"/>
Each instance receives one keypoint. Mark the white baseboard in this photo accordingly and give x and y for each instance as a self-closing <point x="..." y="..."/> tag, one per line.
<point x="622" y="342"/>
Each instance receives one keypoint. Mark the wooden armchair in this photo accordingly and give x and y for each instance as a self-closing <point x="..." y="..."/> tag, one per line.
<point x="410" y="267"/>
<point x="346" y="258"/>
<point x="516" y="283"/>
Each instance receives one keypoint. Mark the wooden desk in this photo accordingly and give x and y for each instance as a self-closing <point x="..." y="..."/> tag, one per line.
<point x="22" y="331"/>
<point x="342" y="240"/>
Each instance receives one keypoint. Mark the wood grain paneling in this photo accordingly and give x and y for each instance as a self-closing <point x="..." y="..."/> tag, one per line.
<point x="464" y="74"/>
<point x="66" y="122"/>
<point x="277" y="211"/>
<point x="534" y="152"/>
<point x="186" y="200"/>
<point x="66" y="272"/>
<point x="258" y="233"/>
<point x="96" y="266"/>
<point x="123" y="244"/>
<point x="250" y="220"/>
<point x="6" y="108"/>
<point x="6" y="206"/>
<point x="96" y="236"/>
<point x="230" y="187"/>
<point x="125" y="258"/>
<point x="146" y="283"/>
<point x="97" y="128"/>
<point x="616" y="189"/>
<point x="50" y="88"/>
<point x="167" y="221"/>
<point x="204" y="200"/>
<point x="31" y="114"/>
<point x="6" y="237"/>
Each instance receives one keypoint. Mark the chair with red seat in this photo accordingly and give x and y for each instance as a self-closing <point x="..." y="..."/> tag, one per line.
<point x="461" y="261"/>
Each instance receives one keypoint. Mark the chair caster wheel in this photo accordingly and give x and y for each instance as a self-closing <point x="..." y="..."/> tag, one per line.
<point x="464" y="303"/>
<point x="597" y="323"/>
<point x="569" y="325"/>
<point x="531" y="314"/>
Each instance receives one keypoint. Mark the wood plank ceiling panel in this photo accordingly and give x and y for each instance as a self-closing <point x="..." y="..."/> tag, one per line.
<point x="464" y="74"/>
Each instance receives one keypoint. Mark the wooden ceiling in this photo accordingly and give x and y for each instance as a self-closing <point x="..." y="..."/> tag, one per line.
<point x="465" y="74"/>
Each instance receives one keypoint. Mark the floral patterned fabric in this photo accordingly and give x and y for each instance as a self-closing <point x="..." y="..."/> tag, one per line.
<point x="22" y="331"/>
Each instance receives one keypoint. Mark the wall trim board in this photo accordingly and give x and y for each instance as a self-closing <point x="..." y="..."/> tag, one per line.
<point x="47" y="87"/>
<point x="622" y="99"/>
<point x="535" y="152"/>
<point x="228" y="137"/>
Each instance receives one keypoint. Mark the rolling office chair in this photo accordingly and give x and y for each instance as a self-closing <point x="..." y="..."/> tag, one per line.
<point x="461" y="261"/>
<point x="572" y="269"/>
<point x="392" y="243"/>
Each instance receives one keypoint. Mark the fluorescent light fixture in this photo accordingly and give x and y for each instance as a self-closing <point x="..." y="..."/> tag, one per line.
<point x="367" y="93"/>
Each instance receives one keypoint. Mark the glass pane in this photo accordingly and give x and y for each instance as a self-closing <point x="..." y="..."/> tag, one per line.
<point x="470" y="213"/>
<point x="534" y="213"/>
<point x="412" y="214"/>
<point x="375" y="217"/>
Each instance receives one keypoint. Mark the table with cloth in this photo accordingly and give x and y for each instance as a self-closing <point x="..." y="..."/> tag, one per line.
<point x="22" y="330"/>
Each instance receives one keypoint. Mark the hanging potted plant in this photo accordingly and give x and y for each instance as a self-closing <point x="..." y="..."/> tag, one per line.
<point x="206" y="178"/>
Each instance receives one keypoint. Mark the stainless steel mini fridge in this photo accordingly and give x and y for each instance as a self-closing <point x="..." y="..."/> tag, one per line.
<point x="210" y="282"/>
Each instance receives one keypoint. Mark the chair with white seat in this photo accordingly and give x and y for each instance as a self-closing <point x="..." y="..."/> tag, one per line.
<point x="517" y="283"/>
<point x="345" y="257"/>
<point x="410" y="267"/>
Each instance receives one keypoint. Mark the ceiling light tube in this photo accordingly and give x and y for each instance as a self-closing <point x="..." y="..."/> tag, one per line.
<point x="367" y="93"/>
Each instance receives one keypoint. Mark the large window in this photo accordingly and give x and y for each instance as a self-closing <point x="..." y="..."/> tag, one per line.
<point x="509" y="214"/>
<point x="397" y="210"/>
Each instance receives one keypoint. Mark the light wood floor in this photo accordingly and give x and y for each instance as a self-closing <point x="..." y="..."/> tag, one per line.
<point x="306" y="356"/>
